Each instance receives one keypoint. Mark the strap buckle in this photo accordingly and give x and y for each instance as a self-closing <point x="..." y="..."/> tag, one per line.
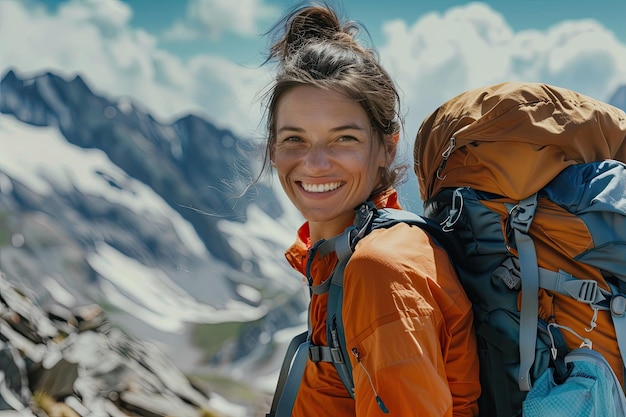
<point x="584" y="290"/>
<point x="521" y="216"/>
<point x="325" y="354"/>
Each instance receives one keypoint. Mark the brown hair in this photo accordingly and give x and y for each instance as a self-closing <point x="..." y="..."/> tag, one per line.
<point x="315" y="48"/>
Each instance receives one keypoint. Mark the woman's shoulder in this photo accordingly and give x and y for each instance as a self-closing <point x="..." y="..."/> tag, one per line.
<point x="400" y="234"/>
<point x="406" y="253"/>
<point x="401" y="241"/>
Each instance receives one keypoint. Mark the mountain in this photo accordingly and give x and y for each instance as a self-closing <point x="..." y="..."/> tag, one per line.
<point x="618" y="99"/>
<point x="161" y="224"/>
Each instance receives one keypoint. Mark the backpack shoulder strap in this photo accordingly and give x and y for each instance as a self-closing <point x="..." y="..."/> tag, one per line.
<point x="289" y="377"/>
<point x="389" y="217"/>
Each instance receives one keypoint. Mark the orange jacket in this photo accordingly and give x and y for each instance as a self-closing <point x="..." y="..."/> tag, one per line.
<point x="408" y="317"/>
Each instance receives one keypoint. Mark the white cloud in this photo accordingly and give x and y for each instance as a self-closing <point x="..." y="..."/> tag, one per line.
<point x="212" y="18"/>
<point x="108" y="15"/>
<point x="94" y="38"/>
<point x="440" y="56"/>
<point x="181" y="31"/>
<point x="432" y="58"/>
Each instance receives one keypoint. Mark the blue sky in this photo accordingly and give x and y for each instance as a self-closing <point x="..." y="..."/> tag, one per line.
<point x="519" y="14"/>
<point x="173" y="57"/>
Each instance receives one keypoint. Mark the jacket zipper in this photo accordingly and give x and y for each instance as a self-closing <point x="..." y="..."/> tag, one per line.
<point x="379" y="400"/>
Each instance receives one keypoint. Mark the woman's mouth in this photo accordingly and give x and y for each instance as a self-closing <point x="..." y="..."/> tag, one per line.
<point x="320" y="188"/>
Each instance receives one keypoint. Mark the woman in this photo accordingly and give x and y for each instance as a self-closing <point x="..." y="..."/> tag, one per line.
<point x="333" y="128"/>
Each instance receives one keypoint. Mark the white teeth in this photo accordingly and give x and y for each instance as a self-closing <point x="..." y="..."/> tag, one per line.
<point x="321" y="188"/>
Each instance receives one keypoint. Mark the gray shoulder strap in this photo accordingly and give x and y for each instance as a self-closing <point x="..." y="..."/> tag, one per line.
<point x="521" y="218"/>
<point x="290" y="376"/>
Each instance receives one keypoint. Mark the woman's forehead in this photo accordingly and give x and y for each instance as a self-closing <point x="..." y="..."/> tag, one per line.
<point x="307" y="104"/>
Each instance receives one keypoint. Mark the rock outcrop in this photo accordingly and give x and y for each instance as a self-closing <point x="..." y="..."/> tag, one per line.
<point x="56" y="361"/>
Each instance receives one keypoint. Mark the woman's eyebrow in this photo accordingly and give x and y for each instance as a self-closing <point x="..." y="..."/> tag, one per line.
<point x="334" y="129"/>
<point x="290" y="129"/>
<point x="348" y="127"/>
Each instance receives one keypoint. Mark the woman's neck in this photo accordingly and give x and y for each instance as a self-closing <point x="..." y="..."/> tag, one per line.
<point x="329" y="229"/>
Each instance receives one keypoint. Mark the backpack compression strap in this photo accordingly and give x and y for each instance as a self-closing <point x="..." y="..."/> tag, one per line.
<point x="521" y="218"/>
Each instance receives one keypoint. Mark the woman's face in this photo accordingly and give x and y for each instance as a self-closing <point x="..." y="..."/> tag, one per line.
<point x="326" y="156"/>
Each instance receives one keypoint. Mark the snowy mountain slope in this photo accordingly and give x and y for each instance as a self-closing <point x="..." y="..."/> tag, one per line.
<point x="100" y="202"/>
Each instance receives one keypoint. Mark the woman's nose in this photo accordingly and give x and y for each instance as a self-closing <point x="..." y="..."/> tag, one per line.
<point x="317" y="158"/>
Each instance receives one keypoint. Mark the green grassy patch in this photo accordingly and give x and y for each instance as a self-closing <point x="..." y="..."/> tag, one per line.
<point x="211" y="337"/>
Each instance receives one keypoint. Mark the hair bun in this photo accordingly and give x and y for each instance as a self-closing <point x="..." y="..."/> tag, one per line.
<point x="313" y="23"/>
<point x="308" y="24"/>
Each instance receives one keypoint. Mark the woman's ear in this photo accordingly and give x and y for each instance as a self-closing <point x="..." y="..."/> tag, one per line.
<point x="391" y="146"/>
<point x="271" y="156"/>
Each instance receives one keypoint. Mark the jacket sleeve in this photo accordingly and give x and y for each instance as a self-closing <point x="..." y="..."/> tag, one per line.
<point x="408" y="325"/>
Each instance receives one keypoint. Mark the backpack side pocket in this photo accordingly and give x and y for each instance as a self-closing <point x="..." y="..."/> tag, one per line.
<point x="591" y="389"/>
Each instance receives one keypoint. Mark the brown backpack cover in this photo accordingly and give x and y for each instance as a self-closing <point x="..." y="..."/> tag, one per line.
<point x="506" y="130"/>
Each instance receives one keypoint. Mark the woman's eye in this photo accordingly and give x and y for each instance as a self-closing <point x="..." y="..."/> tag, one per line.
<point x="347" y="139"/>
<point x="291" y="139"/>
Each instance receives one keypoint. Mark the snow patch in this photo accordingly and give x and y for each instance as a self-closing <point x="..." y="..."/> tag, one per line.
<point x="43" y="160"/>
<point x="150" y="295"/>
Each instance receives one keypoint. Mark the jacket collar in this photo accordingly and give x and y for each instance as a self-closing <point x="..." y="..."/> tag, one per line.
<point x="297" y="253"/>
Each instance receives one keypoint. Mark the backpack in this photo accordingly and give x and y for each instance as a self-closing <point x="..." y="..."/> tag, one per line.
<point x="530" y="180"/>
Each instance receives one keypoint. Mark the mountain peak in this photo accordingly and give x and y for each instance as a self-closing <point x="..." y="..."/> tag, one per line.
<point x="618" y="99"/>
<point x="9" y="77"/>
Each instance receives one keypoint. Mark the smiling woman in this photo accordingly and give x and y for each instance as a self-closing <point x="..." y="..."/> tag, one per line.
<point x="327" y="156"/>
<point x="333" y="127"/>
